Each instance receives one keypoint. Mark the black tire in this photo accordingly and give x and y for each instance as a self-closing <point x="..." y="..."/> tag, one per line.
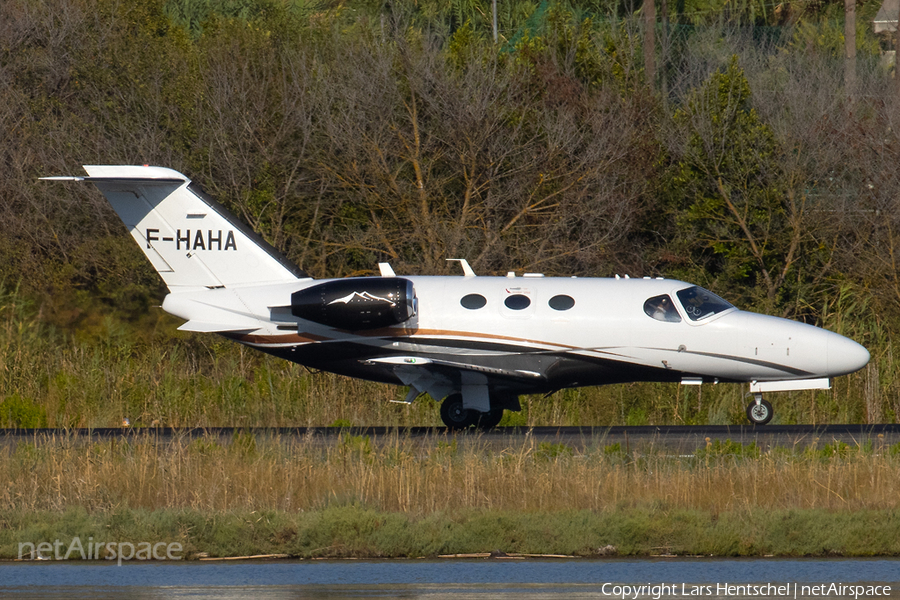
<point x="454" y="415"/>
<point x="489" y="420"/>
<point x="760" y="414"/>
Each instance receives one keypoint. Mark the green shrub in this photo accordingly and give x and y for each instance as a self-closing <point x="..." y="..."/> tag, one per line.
<point x="16" y="411"/>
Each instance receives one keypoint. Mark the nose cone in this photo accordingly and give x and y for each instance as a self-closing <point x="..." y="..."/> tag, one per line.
<point x="844" y="355"/>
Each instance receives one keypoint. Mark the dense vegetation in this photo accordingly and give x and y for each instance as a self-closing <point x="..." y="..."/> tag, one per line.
<point x="352" y="132"/>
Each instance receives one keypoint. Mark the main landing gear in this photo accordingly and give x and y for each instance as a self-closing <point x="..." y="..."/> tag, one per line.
<point x="759" y="411"/>
<point x="456" y="417"/>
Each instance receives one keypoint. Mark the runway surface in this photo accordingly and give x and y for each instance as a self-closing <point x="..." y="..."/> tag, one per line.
<point x="675" y="437"/>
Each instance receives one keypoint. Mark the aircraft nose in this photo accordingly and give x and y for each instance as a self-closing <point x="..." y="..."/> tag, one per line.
<point x="844" y="355"/>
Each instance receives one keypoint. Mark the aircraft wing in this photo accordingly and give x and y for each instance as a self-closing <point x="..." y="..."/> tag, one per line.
<point x="205" y="327"/>
<point x="440" y="378"/>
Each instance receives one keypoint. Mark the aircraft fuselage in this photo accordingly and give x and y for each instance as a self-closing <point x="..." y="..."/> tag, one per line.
<point x="599" y="333"/>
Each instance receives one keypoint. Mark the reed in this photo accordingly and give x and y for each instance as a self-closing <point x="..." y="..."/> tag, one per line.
<point x="400" y="474"/>
<point x="408" y="496"/>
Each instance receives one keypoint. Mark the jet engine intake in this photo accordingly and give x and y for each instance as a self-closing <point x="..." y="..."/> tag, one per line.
<point x="357" y="303"/>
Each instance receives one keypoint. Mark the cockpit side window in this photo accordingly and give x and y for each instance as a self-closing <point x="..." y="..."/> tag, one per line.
<point x="701" y="304"/>
<point x="662" y="308"/>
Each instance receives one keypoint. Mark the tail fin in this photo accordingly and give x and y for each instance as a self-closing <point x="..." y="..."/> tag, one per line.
<point x="190" y="239"/>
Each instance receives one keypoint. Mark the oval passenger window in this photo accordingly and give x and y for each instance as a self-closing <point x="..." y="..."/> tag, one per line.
<point x="517" y="302"/>
<point x="562" y="302"/>
<point x="473" y="301"/>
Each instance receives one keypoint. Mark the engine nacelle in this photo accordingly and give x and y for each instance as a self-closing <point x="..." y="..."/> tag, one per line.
<point x="355" y="304"/>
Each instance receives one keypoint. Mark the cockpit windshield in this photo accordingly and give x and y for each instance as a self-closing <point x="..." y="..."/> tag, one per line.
<point x="701" y="304"/>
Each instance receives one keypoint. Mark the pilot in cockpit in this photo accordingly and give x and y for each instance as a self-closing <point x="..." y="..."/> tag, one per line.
<point x="662" y="309"/>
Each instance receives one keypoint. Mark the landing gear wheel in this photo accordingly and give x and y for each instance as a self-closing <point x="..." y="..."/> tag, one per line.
<point x="454" y="415"/>
<point x="759" y="411"/>
<point x="489" y="420"/>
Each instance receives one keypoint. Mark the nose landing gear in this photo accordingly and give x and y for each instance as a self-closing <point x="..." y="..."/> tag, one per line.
<point x="759" y="411"/>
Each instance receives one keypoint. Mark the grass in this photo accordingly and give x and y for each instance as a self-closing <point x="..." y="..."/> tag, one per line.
<point x="398" y="475"/>
<point x="398" y="496"/>
<point x="361" y="532"/>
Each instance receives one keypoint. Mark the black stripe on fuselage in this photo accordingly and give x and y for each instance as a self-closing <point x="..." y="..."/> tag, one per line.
<point x="749" y="361"/>
<point x="321" y="353"/>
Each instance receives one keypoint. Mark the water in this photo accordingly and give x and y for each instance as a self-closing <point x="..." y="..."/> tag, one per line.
<point x="459" y="580"/>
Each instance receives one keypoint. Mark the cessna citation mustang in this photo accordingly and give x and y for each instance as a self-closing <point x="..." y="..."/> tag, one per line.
<point x="475" y="342"/>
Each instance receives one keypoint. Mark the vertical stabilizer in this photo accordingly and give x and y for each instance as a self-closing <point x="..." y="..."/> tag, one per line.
<point x="190" y="239"/>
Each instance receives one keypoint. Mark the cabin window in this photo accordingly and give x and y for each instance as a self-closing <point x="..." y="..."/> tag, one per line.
<point x="562" y="302"/>
<point x="517" y="302"/>
<point x="473" y="301"/>
<point x="701" y="304"/>
<point x="662" y="308"/>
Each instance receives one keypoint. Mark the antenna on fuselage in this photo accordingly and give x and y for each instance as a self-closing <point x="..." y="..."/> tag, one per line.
<point x="467" y="270"/>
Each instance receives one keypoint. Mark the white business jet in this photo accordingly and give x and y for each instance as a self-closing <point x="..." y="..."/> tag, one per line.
<point x="475" y="342"/>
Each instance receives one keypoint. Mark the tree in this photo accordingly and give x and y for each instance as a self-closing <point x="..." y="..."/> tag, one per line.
<point x="734" y="215"/>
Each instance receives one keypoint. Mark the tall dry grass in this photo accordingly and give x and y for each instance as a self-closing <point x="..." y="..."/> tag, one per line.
<point x="416" y="477"/>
